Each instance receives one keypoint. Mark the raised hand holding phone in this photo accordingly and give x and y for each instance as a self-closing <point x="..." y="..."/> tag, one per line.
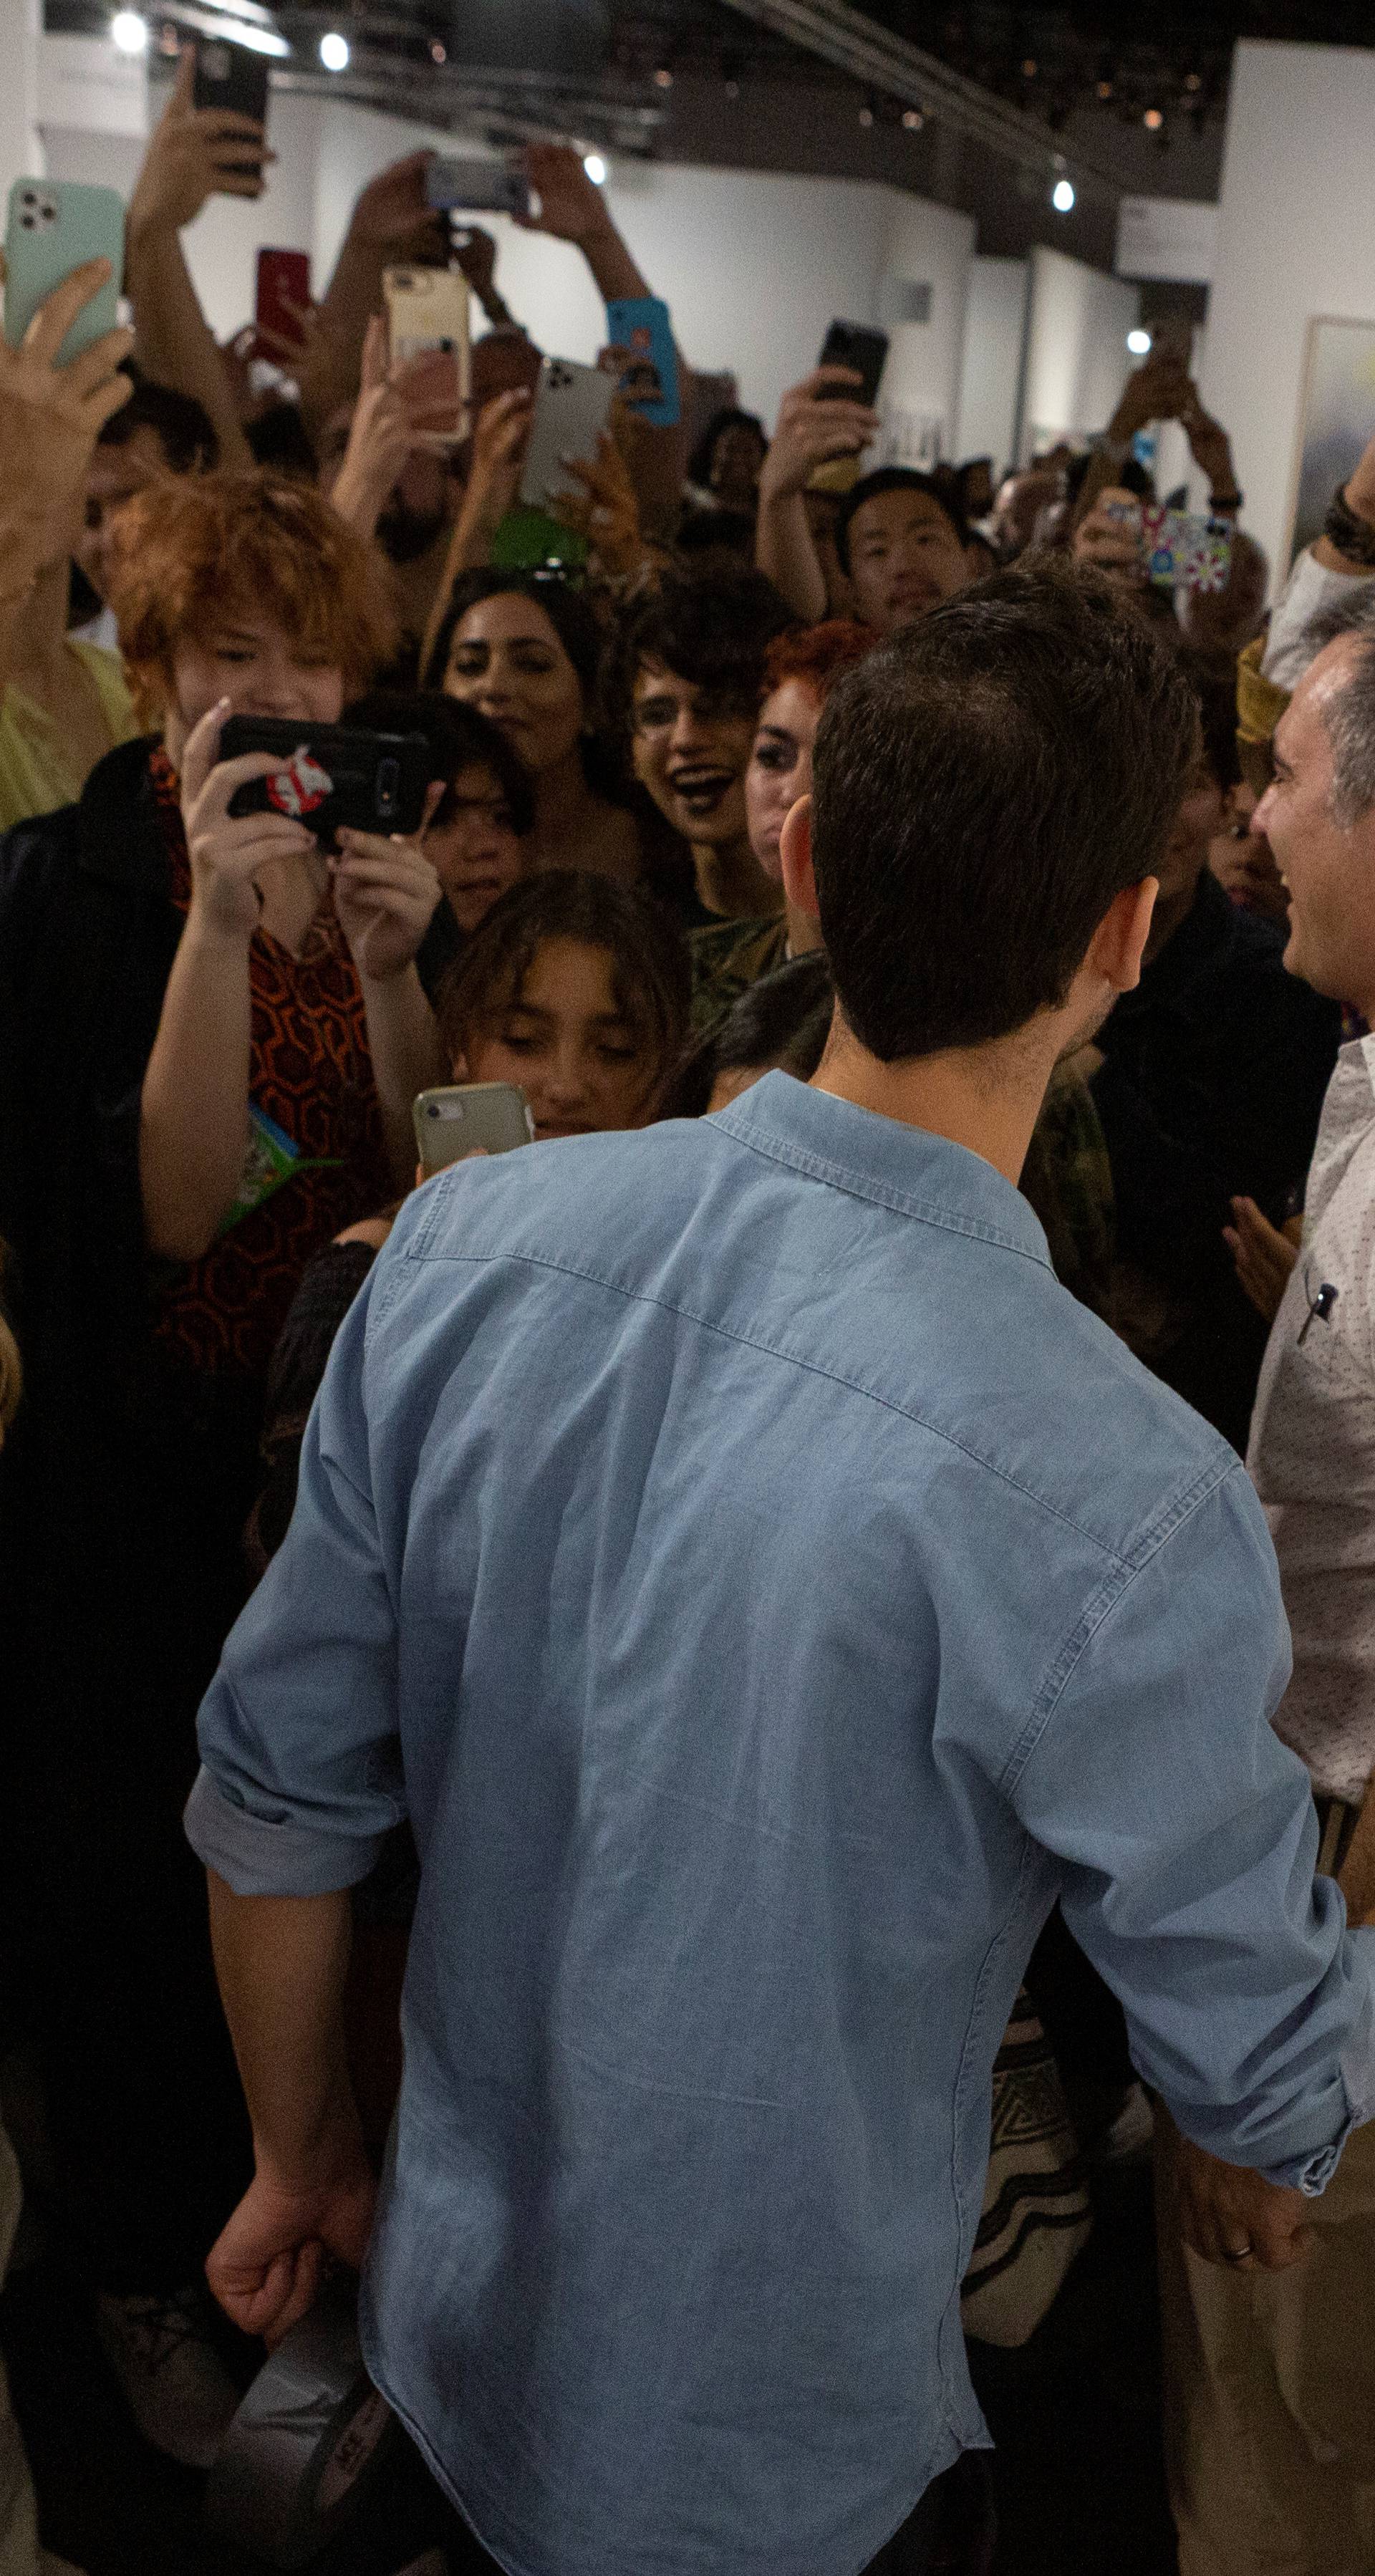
<point x="227" y="851"/>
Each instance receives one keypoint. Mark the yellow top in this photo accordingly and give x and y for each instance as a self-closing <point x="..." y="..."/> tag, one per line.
<point x="37" y="771"/>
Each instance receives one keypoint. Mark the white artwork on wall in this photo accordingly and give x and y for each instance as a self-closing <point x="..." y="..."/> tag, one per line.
<point x="1336" y="416"/>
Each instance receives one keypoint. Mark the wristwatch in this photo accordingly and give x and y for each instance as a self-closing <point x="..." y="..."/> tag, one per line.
<point x="1227" y="502"/>
<point x="1351" y="536"/>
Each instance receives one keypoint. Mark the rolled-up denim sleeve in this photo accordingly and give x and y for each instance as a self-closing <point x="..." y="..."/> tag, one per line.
<point x="1187" y="1838"/>
<point x="301" y="1773"/>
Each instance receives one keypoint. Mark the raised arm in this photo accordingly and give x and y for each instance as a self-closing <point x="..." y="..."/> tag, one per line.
<point x="193" y="1126"/>
<point x="195" y="153"/>
<point x="390" y="222"/>
<point x="817" y="420"/>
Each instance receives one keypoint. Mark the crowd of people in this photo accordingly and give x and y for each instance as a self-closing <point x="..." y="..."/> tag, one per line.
<point x="213" y="1027"/>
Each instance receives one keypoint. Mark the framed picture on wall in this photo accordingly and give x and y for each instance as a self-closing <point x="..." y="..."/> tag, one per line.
<point x="1336" y="409"/>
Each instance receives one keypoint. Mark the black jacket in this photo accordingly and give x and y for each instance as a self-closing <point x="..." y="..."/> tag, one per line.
<point x="1212" y="1088"/>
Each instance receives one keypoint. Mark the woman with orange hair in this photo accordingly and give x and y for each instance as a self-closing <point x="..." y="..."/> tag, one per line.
<point x="210" y="1035"/>
<point x="801" y="668"/>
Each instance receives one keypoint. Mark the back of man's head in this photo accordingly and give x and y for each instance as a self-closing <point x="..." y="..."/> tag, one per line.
<point x="984" y="785"/>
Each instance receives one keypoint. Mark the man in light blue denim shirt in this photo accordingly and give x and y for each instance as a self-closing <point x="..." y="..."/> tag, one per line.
<point x="765" y="1590"/>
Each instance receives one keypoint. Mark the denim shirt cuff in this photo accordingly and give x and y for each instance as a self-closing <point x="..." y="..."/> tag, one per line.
<point x="256" y="1858"/>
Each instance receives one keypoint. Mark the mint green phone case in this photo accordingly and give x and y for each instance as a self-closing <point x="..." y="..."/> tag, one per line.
<point x="55" y="225"/>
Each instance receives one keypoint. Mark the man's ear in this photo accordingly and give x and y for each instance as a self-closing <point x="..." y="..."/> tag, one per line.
<point x="795" y="851"/>
<point x="1121" y="936"/>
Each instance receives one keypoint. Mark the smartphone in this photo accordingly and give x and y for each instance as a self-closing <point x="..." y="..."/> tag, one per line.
<point x="529" y="540"/>
<point x="232" y="77"/>
<point x="1183" y="551"/>
<point x="853" y="344"/>
<point x="427" y="308"/>
<point x="332" y="775"/>
<point x="54" y="226"/>
<point x="571" y="409"/>
<point x="283" y="280"/>
<point x="493" y="1116"/>
<point x="641" y="324"/>
<point x="478" y="187"/>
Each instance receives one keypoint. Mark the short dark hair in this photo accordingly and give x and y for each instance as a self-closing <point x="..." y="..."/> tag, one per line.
<point x="703" y="456"/>
<point x="182" y="426"/>
<point x="459" y="738"/>
<point x="713" y="630"/>
<point x="984" y="785"/>
<point x="896" y="478"/>
<point x="650" y="971"/>
<point x="784" y="1019"/>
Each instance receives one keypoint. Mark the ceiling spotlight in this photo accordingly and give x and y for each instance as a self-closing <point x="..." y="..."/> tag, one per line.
<point x="1193" y="80"/>
<point x="732" y="88"/>
<point x="1153" y="120"/>
<point x="1029" y="68"/>
<point x="129" y="32"/>
<point x="439" y="53"/>
<point x="866" y="116"/>
<point x="334" y="53"/>
<point x="913" y="119"/>
<point x="595" y="167"/>
<point x="663" y="79"/>
<point x="1139" y="343"/>
<point x="1062" y="196"/>
<point x="1104" y="89"/>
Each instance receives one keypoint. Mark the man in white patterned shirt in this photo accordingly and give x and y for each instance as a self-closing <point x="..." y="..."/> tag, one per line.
<point x="1271" y="2391"/>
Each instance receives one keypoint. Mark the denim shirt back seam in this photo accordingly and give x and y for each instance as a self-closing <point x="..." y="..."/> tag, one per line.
<point x="840" y="1176"/>
<point x="1100" y="1608"/>
<point x="417" y="1250"/>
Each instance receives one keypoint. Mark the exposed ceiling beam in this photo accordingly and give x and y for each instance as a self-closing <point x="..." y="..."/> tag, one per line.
<point x="859" y="45"/>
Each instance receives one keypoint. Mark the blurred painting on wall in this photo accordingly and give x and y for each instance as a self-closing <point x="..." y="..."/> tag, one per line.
<point x="1335" y="408"/>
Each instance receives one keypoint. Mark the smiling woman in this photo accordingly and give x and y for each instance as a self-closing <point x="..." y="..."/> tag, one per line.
<point x="525" y="653"/>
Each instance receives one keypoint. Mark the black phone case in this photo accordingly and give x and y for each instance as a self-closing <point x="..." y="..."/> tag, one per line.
<point x="852" y="344"/>
<point x="371" y="782"/>
<point x="230" y="77"/>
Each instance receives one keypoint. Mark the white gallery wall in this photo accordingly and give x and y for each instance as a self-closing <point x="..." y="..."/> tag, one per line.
<point x="1295" y="240"/>
<point x="1076" y="349"/>
<point x="991" y="377"/>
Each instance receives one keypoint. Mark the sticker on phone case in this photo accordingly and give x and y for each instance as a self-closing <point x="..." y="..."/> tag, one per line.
<point x="271" y="1159"/>
<point x="301" y="787"/>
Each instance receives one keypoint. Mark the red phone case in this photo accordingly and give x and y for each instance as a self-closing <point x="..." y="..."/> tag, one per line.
<point x="283" y="280"/>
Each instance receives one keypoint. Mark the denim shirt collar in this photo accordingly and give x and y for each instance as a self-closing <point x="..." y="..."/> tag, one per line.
<point x="908" y="1169"/>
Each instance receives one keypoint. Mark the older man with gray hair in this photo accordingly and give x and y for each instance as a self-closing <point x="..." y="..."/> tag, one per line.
<point x="1272" y="2384"/>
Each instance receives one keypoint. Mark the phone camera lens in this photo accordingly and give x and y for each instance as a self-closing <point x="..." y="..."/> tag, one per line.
<point x="388" y="780"/>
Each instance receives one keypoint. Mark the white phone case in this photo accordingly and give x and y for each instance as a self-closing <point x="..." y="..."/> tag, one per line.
<point x="572" y="406"/>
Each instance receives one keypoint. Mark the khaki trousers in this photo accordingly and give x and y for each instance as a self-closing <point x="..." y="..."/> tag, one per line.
<point x="20" y="2554"/>
<point x="1270" y="2392"/>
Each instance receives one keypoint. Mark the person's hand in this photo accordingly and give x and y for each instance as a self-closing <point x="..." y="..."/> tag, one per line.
<point x="1156" y="390"/>
<point x="1264" y="1256"/>
<point x="227" y="851"/>
<point x="385" y="893"/>
<point x="266" y="2266"/>
<point x="570" y="206"/>
<point x="50" y="418"/>
<point x="1209" y="444"/>
<point x="1113" y="544"/>
<point x="1232" y="2216"/>
<point x="391" y="215"/>
<point x="503" y="426"/>
<point x="605" y="511"/>
<point x="817" y="420"/>
<point x="395" y="411"/>
<point x="475" y="257"/>
<point x="195" y="153"/>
